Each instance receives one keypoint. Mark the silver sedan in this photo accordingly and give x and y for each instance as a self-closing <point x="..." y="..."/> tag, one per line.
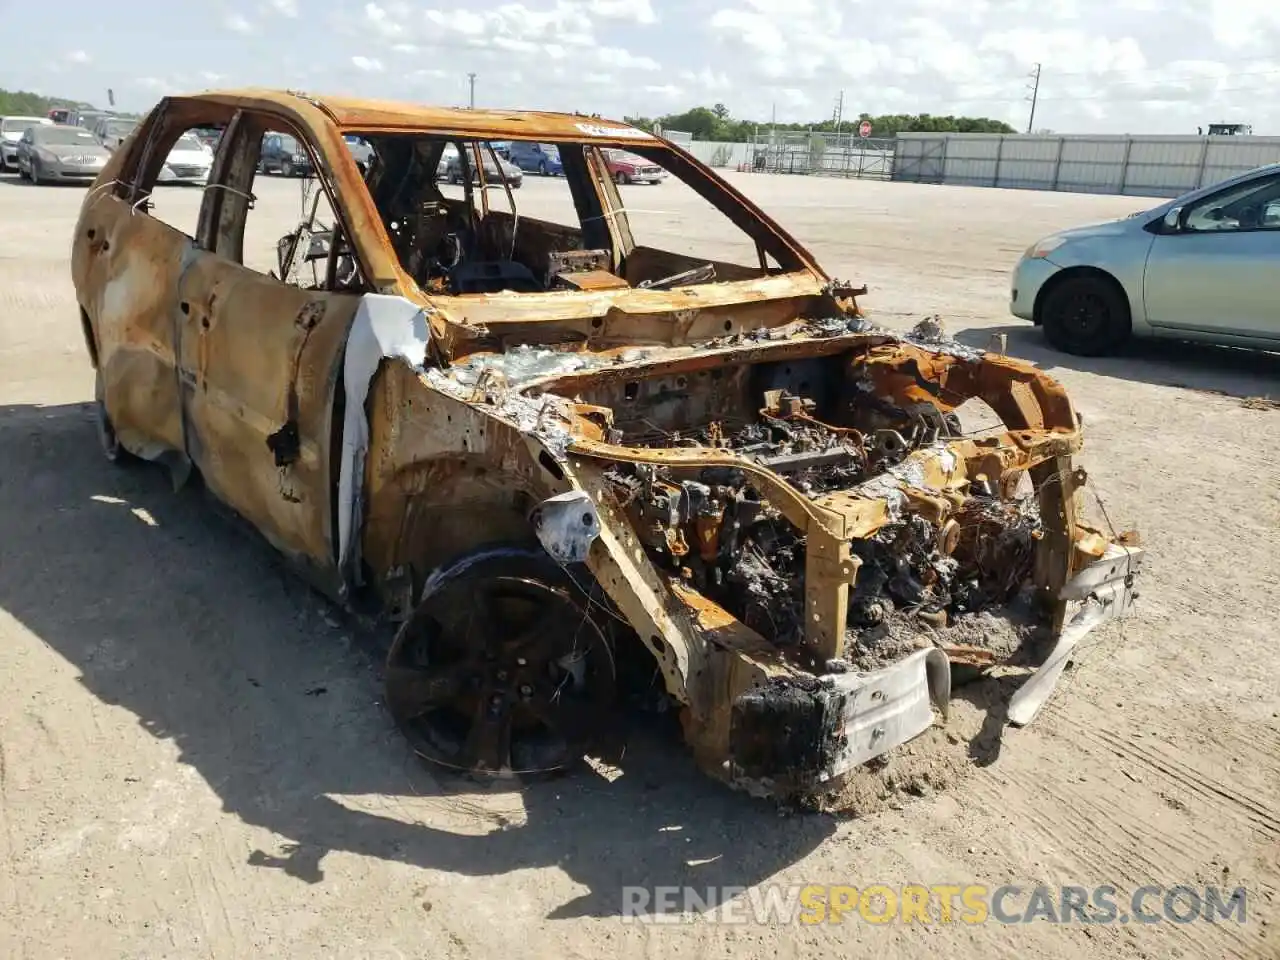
<point x="11" y="130"/>
<point x="60" y="154"/>
<point x="1204" y="267"/>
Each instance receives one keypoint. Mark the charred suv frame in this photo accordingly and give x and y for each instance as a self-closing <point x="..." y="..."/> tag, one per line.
<point x="549" y="453"/>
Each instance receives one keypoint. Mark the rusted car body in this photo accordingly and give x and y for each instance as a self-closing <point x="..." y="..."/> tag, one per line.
<point x="544" y="449"/>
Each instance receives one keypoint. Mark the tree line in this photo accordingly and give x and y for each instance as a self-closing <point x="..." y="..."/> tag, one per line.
<point x="705" y="123"/>
<point x="23" y="103"/>
<point x="716" y="123"/>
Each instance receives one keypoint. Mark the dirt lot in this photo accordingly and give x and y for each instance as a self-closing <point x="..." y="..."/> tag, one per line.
<point x="195" y="762"/>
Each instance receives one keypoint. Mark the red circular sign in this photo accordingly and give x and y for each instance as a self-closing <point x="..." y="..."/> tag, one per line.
<point x="864" y="128"/>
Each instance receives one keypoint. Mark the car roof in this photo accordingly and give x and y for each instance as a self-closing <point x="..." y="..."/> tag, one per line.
<point x="1265" y="170"/>
<point x="356" y="114"/>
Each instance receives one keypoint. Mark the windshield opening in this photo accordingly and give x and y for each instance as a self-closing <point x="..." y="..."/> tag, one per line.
<point x="473" y="216"/>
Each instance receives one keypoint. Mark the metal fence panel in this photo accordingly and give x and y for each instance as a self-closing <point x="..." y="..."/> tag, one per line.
<point x="1133" y="165"/>
<point x="971" y="160"/>
<point x="718" y="153"/>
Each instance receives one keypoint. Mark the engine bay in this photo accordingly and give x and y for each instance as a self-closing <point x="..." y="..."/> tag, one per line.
<point x="958" y="580"/>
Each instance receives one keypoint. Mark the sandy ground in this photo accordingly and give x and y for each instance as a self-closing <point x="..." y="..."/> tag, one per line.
<point x="194" y="761"/>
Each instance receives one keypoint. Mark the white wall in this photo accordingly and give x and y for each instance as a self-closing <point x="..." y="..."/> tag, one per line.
<point x="716" y="153"/>
<point x="1162" y="166"/>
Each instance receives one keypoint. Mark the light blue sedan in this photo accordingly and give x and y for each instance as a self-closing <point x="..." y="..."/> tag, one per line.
<point x="1205" y="267"/>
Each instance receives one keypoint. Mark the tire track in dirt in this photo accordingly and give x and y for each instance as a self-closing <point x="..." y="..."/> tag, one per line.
<point x="1085" y="839"/>
<point x="1251" y="810"/>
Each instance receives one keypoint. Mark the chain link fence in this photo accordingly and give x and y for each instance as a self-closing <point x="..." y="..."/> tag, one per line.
<point x="823" y="154"/>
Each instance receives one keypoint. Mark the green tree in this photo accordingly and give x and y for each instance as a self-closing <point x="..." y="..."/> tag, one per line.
<point x="716" y="123"/>
<point x="23" y="103"/>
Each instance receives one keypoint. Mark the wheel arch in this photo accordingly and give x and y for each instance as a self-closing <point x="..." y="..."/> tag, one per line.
<point x="1071" y="273"/>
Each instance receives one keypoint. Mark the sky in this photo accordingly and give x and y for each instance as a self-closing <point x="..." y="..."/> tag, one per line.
<point x="1107" y="66"/>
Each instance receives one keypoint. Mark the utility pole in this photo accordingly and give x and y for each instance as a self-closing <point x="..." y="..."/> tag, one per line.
<point x="471" y="78"/>
<point x="839" y="114"/>
<point x="1034" y="87"/>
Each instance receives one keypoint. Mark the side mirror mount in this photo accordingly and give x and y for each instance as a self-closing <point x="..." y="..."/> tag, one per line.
<point x="1173" y="220"/>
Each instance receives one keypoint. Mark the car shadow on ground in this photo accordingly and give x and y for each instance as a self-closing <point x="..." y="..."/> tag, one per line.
<point x="1192" y="366"/>
<point x="168" y="610"/>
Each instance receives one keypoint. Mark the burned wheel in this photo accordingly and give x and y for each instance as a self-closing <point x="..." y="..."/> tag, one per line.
<point x="502" y="670"/>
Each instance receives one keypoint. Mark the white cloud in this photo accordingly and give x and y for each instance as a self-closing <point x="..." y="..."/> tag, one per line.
<point x="1107" y="65"/>
<point x="157" y="85"/>
<point x="385" y="22"/>
<point x="1239" y="24"/>
<point x="208" y="76"/>
<point x="639" y="11"/>
<point x="78" y="56"/>
<point x="706" y="79"/>
<point x="620" y="59"/>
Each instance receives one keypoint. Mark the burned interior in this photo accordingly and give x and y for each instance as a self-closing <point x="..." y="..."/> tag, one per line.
<point x="457" y="226"/>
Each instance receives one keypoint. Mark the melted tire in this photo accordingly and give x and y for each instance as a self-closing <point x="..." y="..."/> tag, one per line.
<point x="503" y="670"/>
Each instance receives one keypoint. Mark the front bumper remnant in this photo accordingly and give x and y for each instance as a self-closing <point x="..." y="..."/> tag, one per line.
<point x="1104" y="591"/>
<point x="787" y="736"/>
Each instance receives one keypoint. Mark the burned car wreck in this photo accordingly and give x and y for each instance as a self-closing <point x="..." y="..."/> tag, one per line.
<point x="544" y="450"/>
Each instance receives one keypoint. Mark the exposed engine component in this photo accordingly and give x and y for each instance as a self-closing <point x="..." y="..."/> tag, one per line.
<point x="915" y="574"/>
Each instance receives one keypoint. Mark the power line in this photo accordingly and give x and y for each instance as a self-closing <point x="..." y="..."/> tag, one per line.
<point x="1154" y="94"/>
<point x="1154" y="83"/>
<point x="1099" y="73"/>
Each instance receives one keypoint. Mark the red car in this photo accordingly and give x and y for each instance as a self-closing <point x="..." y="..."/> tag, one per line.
<point x="626" y="167"/>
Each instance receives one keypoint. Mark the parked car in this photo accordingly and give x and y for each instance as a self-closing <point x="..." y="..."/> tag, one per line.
<point x="530" y="157"/>
<point x="627" y="167"/>
<point x="11" y="131"/>
<point x="1204" y="266"/>
<point x="61" y="115"/>
<point x="112" y="131"/>
<point x="560" y="466"/>
<point x="282" y="154"/>
<point x="189" y="161"/>
<point x="448" y="154"/>
<point x="361" y="151"/>
<point x="89" y="119"/>
<point x="495" y="173"/>
<point x="60" y="154"/>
